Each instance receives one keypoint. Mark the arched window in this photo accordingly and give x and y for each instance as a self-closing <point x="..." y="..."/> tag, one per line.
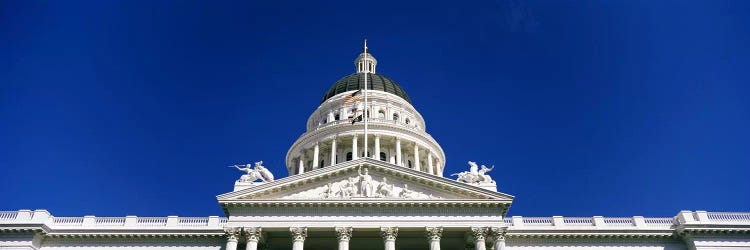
<point x="395" y="117"/>
<point x="322" y="163"/>
<point x="382" y="156"/>
<point x="381" y="114"/>
<point x="336" y="116"/>
<point x="407" y="120"/>
<point x="408" y="163"/>
<point x="349" y="156"/>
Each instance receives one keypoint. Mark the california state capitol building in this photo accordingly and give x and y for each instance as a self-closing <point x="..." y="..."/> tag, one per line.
<point x="386" y="190"/>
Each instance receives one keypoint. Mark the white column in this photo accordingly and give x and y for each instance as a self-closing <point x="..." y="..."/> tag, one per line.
<point x="298" y="237"/>
<point x="316" y="152"/>
<point x="433" y="237"/>
<point x="301" y="162"/>
<point x="498" y="234"/>
<point x="429" y="163"/>
<point x="333" y="152"/>
<point x="252" y="235"/>
<point x="344" y="234"/>
<point x="355" y="154"/>
<point x="416" y="157"/>
<point x="398" y="152"/>
<point x="377" y="147"/>
<point x="479" y="233"/>
<point x="232" y="234"/>
<point x="389" y="235"/>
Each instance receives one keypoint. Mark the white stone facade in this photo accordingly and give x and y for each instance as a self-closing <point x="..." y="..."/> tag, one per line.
<point x="398" y="197"/>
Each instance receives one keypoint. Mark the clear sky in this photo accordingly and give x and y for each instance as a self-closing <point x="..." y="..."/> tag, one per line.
<point x="614" y="108"/>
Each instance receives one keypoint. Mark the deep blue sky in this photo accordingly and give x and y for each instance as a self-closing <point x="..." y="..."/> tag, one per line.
<point x="614" y="108"/>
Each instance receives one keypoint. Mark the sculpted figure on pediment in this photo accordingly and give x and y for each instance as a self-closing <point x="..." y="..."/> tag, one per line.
<point x="366" y="185"/>
<point x="253" y="174"/>
<point x="475" y="175"/>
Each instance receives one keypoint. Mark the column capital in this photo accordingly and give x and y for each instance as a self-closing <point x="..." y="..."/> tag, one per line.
<point x="434" y="233"/>
<point x="479" y="233"/>
<point x="498" y="233"/>
<point x="344" y="233"/>
<point x="298" y="233"/>
<point x="389" y="233"/>
<point x="252" y="233"/>
<point x="232" y="233"/>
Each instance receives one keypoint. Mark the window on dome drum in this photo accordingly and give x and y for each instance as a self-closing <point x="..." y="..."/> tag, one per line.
<point x="381" y="114"/>
<point x="407" y="120"/>
<point x="382" y="156"/>
<point x="395" y="117"/>
<point x="322" y="163"/>
<point x="336" y="116"/>
<point x="349" y="156"/>
<point x="408" y="163"/>
<point x="309" y="165"/>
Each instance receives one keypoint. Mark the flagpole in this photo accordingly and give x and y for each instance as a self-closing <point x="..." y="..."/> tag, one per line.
<point x="365" y="114"/>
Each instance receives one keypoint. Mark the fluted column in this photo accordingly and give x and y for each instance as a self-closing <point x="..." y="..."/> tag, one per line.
<point x="398" y="152"/>
<point x="433" y="237"/>
<point x="377" y="147"/>
<point x="232" y="233"/>
<point x="301" y="162"/>
<point x="333" y="152"/>
<point x="252" y="236"/>
<point x="355" y="154"/>
<point x="316" y="152"/>
<point x="429" y="163"/>
<point x="479" y="233"/>
<point x="416" y="157"/>
<point x="498" y="234"/>
<point x="344" y="234"/>
<point x="389" y="235"/>
<point x="298" y="237"/>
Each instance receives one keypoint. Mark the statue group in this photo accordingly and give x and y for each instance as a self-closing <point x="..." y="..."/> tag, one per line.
<point x="475" y="175"/>
<point x="364" y="186"/>
<point x="253" y="174"/>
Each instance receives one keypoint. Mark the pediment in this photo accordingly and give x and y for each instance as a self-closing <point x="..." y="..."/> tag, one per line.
<point x="363" y="180"/>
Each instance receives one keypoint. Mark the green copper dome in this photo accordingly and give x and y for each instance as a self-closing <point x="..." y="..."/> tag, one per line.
<point x="374" y="82"/>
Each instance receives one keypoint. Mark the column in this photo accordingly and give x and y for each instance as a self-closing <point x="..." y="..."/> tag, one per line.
<point x="416" y="157"/>
<point x="252" y="235"/>
<point x="301" y="162"/>
<point x="398" y="152"/>
<point x="355" y="154"/>
<point x="333" y="152"/>
<point x="344" y="234"/>
<point x="433" y="237"/>
<point x="377" y="147"/>
<point x="316" y="152"/>
<point x="479" y="233"/>
<point x="298" y="237"/>
<point x="498" y="233"/>
<point x="389" y="235"/>
<point x="429" y="163"/>
<point x="232" y="233"/>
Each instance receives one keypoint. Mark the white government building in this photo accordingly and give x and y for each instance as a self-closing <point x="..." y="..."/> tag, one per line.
<point x="392" y="194"/>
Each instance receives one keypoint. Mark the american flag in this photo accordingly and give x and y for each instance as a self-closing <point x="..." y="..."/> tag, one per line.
<point x="354" y="97"/>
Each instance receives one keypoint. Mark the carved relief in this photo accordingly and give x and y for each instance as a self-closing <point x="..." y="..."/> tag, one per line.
<point x="363" y="185"/>
<point x="475" y="175"/>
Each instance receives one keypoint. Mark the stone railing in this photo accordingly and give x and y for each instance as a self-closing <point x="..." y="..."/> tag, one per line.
<point x="371" y="121"/>
<point x="42" y="217"/>
<point x="718" y="218"/>
<point x="596" y="222"/>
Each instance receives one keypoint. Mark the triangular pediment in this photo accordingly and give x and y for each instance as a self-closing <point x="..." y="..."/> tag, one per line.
<point x="364" y="180"/>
